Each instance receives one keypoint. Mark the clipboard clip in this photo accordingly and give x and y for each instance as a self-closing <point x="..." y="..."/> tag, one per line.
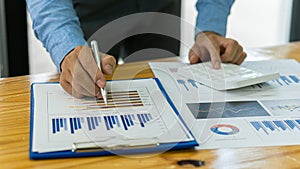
<point x="123" y="144"/>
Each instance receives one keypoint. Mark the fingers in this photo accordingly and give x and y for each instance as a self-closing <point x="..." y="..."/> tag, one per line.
<point x="203" y="54"/>
<point x="82" y="82"/>
<point x="241" y="58"/>
<point x="67" y="86"/>
<point x="230" y="50"/>
<point x="82" y="68"/>
<point x="233" y="52"/>
<point x="193" y="57"/>
<point x="215" y="57"/>
<point x="66" y="76"/>
<point x="96" y="76"/>
<point x="108" y="64"/>
<point x="80" y="75"/>
<point x="72" y="77"/>
<point x="217" y="49"/>
<point x="89" y="65"/>
<point x="198" y="54"/>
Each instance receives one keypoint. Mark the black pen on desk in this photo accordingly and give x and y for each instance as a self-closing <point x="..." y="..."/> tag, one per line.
<point x="97" y="58"/>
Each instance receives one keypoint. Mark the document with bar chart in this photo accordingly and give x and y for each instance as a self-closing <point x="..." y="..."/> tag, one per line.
<point x="265" y="114"/>
<point x="138" y="111"/>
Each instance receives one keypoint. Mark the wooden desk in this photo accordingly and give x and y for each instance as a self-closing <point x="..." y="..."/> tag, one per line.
<point x="15" y="118"/>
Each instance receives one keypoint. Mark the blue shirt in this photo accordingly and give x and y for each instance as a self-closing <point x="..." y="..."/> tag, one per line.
<point x="56" y="25"/>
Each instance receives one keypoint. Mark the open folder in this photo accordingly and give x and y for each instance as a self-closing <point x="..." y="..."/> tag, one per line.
<point x="139" y="118"/>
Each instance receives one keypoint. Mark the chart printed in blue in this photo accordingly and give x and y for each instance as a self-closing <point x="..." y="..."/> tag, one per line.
<point x="126" y="111"/>
<point x="283" y="107"/>
<point x="284" y="80"/>
<point x="73" y="124"/>
<point x="127" y="114"/>
<point x="136" y="110"/>
<point x="269" y="127"/>
<point x="290" y="108"/>
<point x="188" y="84"/>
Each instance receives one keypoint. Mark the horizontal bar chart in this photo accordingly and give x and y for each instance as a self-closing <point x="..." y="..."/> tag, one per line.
<point x="117" y="99"/>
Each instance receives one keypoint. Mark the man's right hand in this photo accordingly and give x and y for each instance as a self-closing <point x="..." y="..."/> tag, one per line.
<point x="80" y="75"/>
<point x="216" y="48"/>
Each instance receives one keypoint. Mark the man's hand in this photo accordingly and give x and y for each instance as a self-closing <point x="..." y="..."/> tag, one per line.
<point x="80" y="75"/>
<point x="214" y="47"/>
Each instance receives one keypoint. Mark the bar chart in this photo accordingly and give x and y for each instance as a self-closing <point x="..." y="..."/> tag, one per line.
<point x="136" y="110"/>
<point x="188" y="84"/>
<point x="106" y="122"/>
<point x="114" y="100"/>
<point x="289" y="108"/>
<point x="129" y="112"/>
<point x="283" y="107"/>
<point x="276" y="126"/>
<point x="287" y="80"/>
<point x="284" y="80"/>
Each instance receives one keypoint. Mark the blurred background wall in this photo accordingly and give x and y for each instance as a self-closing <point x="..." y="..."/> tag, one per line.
<point x="254" y="23"/>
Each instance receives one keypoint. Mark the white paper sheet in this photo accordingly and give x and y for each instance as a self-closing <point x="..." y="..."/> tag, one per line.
<point x="139" y="111"/>
<point x="265" y="114"/>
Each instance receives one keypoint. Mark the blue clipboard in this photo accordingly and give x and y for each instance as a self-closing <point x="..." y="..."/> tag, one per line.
<point x="162" y="147"/>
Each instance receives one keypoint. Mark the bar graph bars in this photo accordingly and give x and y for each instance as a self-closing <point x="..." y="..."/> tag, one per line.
<point x="275" y="126"/>
<point x="287" y="80"/>
<point x="144" y="118"/>
<point x="294" y="78"/>
<point x="182" y="83"/>
<point x="284" y="80"/>
<point x="103" y="122"/>
<point x="193" y="83"/>
<point x="110" y="121"/>
<point x="117" y="99"/>
<point x="260" y="85"/>
<point x="188" y="84"/>
<point x="93" y="122"/>
<point x="289" y="108"/>
<point x="59" y="124"/>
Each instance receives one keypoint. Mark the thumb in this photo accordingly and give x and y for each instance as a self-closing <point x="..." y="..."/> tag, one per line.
<point x="108" y="64"/>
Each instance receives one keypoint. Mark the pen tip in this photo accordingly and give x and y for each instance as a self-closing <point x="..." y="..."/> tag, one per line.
<point x="105" y="100"/>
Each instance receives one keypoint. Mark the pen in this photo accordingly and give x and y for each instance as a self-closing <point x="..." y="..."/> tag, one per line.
<point x="97" y="58"/>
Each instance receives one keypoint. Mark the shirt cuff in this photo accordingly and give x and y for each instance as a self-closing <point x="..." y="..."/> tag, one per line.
<point x="63" y="42"/>
<point x="212" y="17"/>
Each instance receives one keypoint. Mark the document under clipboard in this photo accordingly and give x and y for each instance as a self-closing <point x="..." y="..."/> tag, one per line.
<point x="141" y="118"/>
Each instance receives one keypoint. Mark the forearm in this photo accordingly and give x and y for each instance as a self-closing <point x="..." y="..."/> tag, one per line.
<point x="212" y="15"/>
<point x="56" y="25"/>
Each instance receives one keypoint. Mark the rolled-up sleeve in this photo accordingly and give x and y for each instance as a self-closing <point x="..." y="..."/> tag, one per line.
<point x="212" y="15"/>
<point x="56" y="25"/>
